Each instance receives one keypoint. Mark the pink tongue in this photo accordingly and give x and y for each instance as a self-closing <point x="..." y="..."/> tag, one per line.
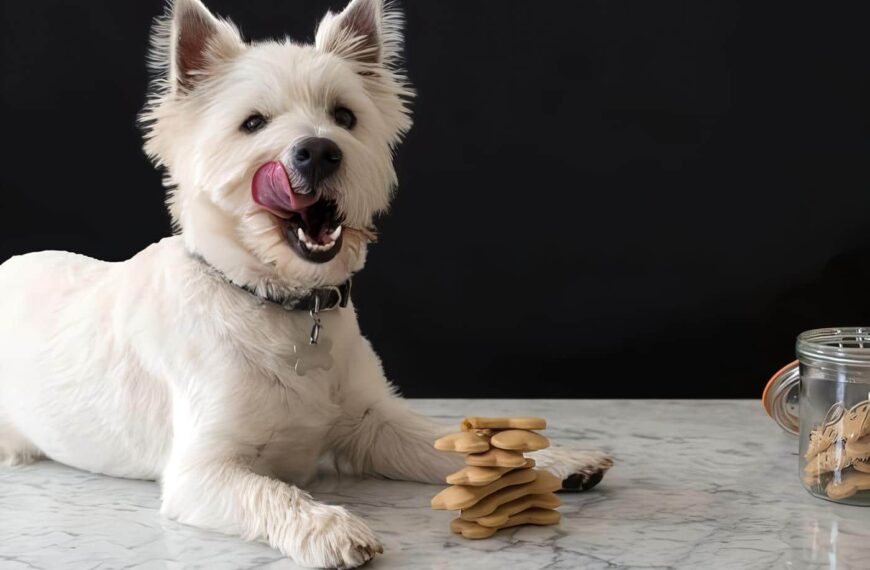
<point x="271" y="189"/>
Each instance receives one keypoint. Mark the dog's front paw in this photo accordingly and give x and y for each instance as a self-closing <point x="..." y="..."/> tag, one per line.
<point x="331" y="537"/>
<point x="579" y="469"/>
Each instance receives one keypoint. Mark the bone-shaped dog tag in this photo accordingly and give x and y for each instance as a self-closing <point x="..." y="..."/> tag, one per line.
<point x="312" y="356"/>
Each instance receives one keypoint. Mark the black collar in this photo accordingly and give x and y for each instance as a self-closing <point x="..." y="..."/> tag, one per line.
<point x="316" y="299"/>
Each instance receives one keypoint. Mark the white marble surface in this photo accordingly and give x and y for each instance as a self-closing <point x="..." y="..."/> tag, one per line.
<point x="705" y="484"/>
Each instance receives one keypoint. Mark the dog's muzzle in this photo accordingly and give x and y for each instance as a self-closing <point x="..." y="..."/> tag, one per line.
<point x="310" y="221"/>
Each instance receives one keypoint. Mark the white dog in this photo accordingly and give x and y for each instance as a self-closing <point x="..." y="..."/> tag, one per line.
<point x="225" y="361"/>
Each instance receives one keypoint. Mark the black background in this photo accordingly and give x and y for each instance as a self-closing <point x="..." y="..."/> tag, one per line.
<point x="614" y="198"/>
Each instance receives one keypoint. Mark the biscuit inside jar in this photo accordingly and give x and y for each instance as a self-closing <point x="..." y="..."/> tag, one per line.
<point x="838" y="454"/>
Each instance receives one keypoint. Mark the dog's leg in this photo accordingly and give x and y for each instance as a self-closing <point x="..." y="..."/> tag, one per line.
<point x="228" y="497"/>
<point x="381" y="435"/>
<point x="388" y="439"/>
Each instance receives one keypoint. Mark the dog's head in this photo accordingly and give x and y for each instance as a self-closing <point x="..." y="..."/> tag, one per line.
<point x="278" y="156"/>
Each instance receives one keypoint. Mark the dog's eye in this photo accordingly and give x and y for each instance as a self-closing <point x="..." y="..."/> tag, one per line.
<point x="344" y="117"/>
<point x="254" y="123"/>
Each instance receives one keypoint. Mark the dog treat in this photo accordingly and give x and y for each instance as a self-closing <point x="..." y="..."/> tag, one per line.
<point x="821" y="439"/>
<point x="856" y="422"/>
<point x="533" y="516"/>
<point x="811" y="480"/>
<point x="498" y="487"/>
<point x="858" y="448"/>
<point x="832" y="459"/>
<point x="496" y="458"/>
<point x="473" y="530"/>
<point x="463" y="496"/>
<point x="519" y="440"/>
<point x="848" y="484"/>
<point x="839" y="443"/>
<point x="545" y="482"/>
<point x="501" y="515"/>
<point x="463" y="442"/>
<point x="476" y="476"/>
<point x="853" y="423"/>
<point x="862" y="465"/>
<point x="475" y="422"/>
<point x="470" y="529"/>
<point x="817" y="480"/>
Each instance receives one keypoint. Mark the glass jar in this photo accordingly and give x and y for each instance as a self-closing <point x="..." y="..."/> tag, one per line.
<point x="831" y="388"/>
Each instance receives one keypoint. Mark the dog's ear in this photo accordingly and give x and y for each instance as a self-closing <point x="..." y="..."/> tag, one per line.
<point x="367" y="32"/>
<point x="189" y="42"/>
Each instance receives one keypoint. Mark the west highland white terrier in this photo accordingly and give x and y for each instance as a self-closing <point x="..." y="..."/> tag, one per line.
<point x="226" y="360"/>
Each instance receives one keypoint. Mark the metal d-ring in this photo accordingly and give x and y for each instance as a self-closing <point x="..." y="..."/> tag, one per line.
<point x="314" y="313"/>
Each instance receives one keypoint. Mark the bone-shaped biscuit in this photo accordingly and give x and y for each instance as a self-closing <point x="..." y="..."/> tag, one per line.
<point x="478" y="422"/>
<point x="496" y="458"/>
<point x="464" y="496"/>
<point x="821" y="439"/>
<point x="519" y="440"/>
<point x="853" y="424"/>
<point x="859" y="447"/>
<point x="545" y="482"/>
<point x="477" y="476"/>
<point x="819" y="479"/>
<point x="463" y="442"/>
<point x="850" y="483"/>
<point x="501" y="515"/>
<point x="856" y="422"/>
<point x="470" y="529"/>
<point x="834" y="458"/>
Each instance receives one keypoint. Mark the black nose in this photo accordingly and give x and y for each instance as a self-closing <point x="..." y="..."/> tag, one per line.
<point x="316" y="159"/>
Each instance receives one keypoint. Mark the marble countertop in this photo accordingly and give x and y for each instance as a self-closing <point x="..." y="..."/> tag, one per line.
<point x="697" y="484"/>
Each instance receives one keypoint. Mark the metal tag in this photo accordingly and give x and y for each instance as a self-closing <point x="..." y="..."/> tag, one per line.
<point x="312" y="356"/>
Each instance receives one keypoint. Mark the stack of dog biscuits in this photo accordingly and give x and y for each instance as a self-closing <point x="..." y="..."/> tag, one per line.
<point x="499" y="487"/>
<point x="838" y="454"/>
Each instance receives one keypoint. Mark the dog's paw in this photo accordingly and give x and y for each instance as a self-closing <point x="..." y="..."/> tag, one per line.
<point x="15" y="451"/>
<point x="579" y="469"/>
<point x="334" y="538"/>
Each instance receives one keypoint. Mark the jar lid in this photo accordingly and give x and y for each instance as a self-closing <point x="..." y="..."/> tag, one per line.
<point x="780" y="397"/>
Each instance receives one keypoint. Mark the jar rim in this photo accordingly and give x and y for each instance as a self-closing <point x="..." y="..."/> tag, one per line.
<point x="839" y="345"/>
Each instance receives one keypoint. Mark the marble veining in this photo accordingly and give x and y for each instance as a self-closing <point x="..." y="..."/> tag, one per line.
<point x="701" y="484"/>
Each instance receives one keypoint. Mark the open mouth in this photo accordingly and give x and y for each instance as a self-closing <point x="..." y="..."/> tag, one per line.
<point x="311" y="222"/>
<point x="315" y="232"/>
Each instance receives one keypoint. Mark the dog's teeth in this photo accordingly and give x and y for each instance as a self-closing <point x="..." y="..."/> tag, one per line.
<point x="314" y="246"/>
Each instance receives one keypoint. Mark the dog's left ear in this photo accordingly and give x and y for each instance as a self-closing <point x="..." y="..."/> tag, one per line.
<point x="366" y="32"/>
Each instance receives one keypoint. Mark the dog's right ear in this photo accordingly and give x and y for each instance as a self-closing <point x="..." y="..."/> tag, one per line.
<point x="189" y="42"/>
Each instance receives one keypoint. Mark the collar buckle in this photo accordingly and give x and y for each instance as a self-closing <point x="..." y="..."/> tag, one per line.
<point x="317" y="307"/>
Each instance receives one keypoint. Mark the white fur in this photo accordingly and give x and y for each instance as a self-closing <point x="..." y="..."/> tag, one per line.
<point x="157" y="368"/>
